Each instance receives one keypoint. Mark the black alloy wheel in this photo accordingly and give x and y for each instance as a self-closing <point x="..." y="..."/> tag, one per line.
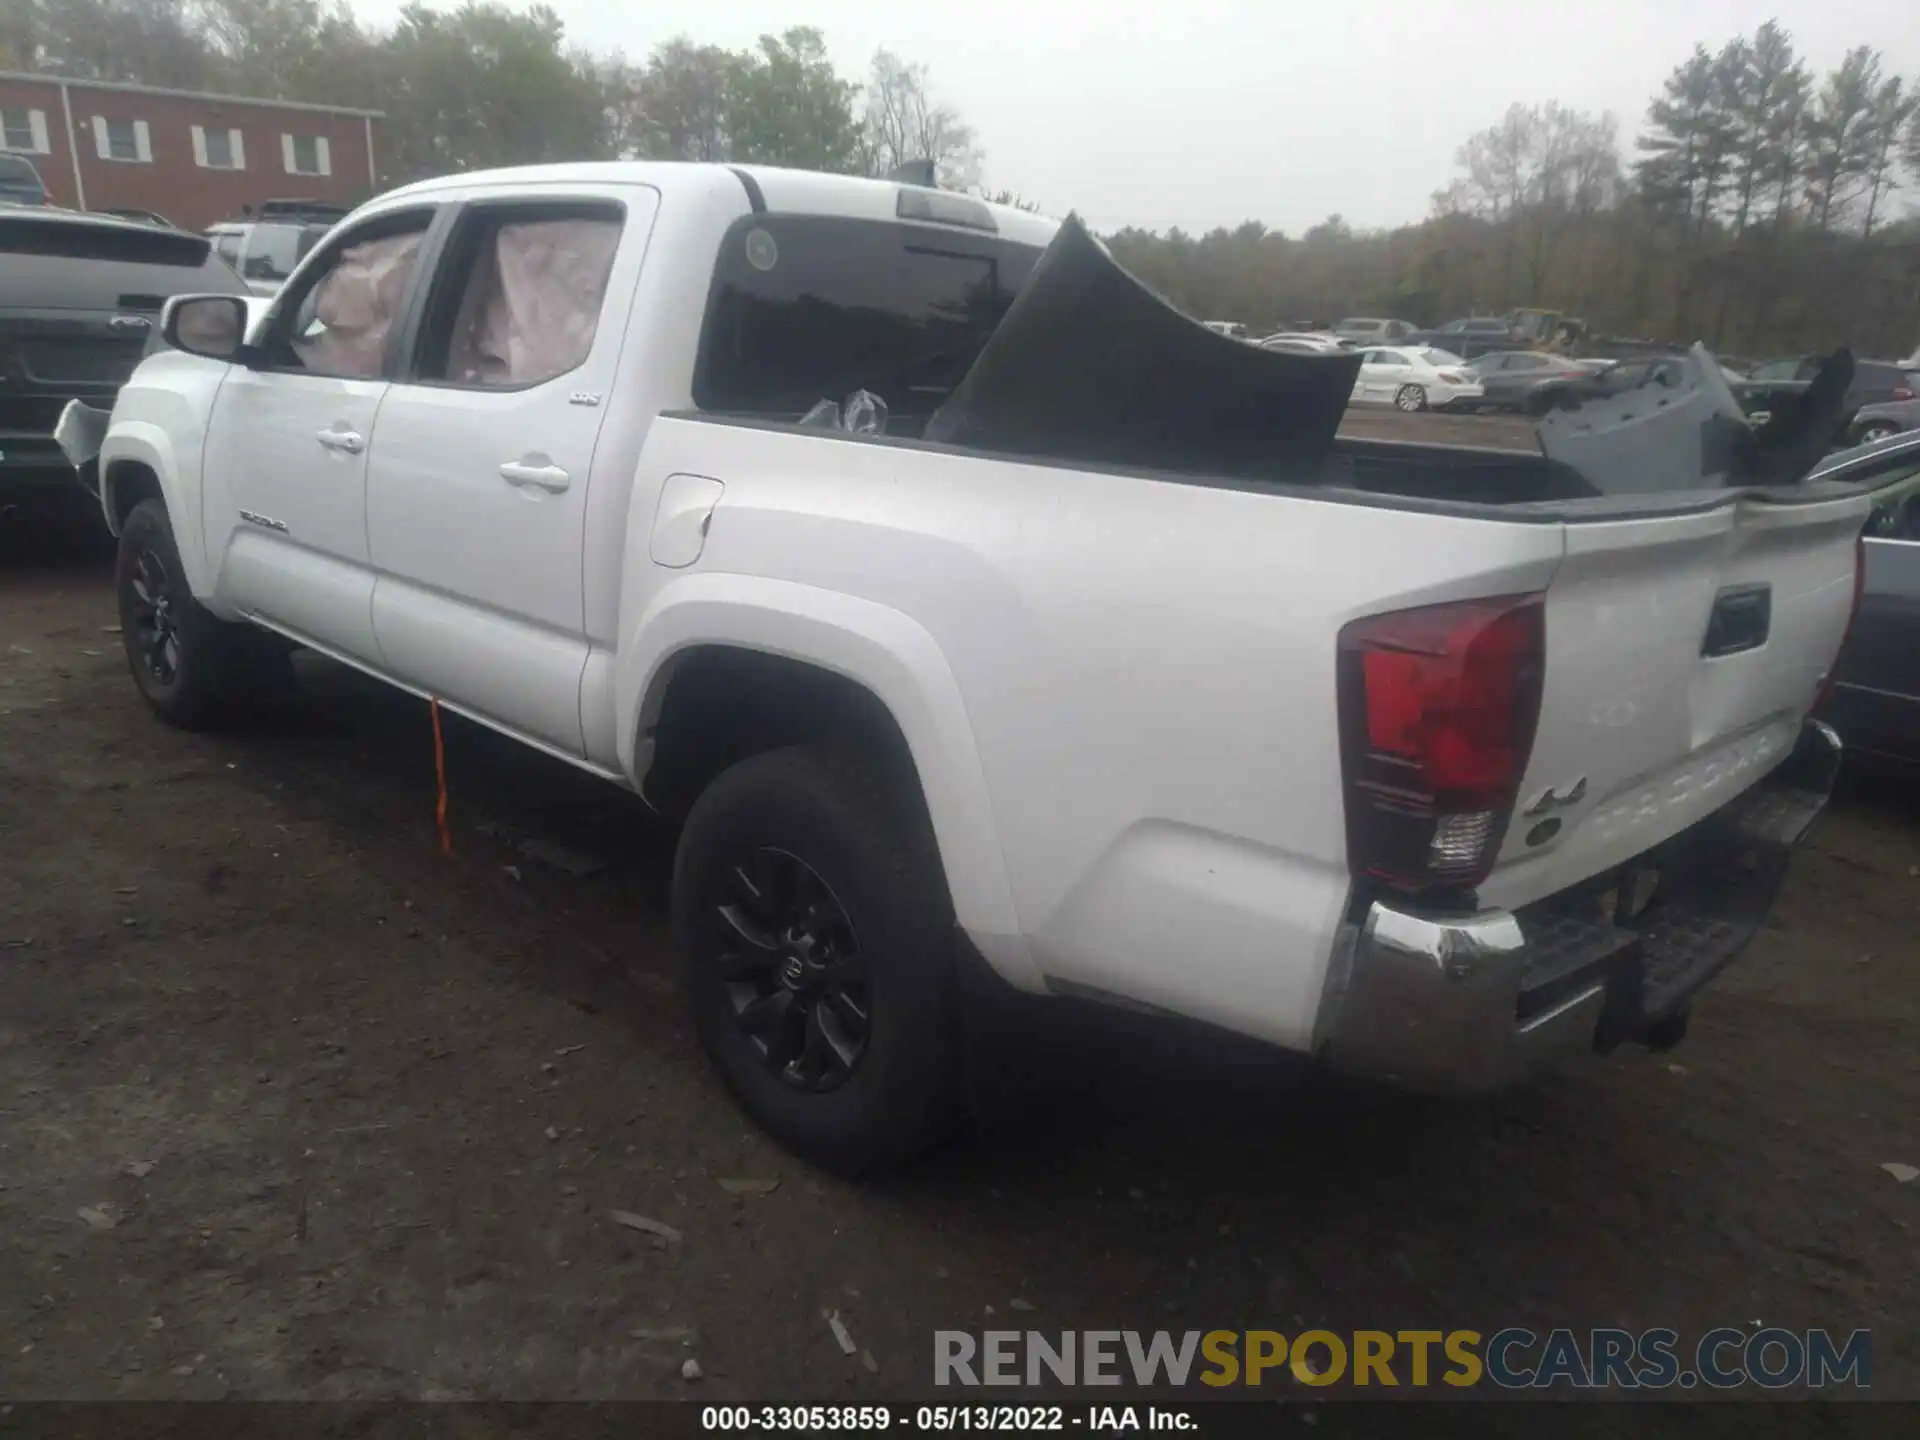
<point x="152" y="617"/>
<point x="794" y="973"/>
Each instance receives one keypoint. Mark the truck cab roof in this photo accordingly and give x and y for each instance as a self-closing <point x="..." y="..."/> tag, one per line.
<point x="793" y="192"/>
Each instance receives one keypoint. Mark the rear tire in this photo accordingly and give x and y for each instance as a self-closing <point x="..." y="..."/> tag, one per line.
<point x="192" y="668"/>
<point x="1874" y="433"/>
<point x="1410" y="398"/>
<point x="815" y="936"/>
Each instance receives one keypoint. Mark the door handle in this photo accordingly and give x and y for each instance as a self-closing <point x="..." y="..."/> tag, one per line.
<point x="548" y="477"/>
<point x="351" y="442"/>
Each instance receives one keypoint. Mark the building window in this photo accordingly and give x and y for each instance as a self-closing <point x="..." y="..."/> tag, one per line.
<point x="23" y="131"/>
<point x="306" y="154"/>
<point x="218" y="149"/>
<point x="123" y="140"/>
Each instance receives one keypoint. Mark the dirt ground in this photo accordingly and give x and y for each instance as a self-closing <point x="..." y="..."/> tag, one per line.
<point x="293" y="1106"/>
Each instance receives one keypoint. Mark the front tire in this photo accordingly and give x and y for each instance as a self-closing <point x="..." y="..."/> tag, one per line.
<point x="191" y="667"/>
<point x="1873" y="434"/>
<point x="815" y="939"/>
<point x="1410" y="398"/>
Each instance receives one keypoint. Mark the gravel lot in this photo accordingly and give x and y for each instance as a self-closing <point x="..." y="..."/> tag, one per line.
<point x="291" y="1105"/>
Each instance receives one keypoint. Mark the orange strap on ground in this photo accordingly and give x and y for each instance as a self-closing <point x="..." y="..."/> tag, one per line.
<point x="440" y="775"/>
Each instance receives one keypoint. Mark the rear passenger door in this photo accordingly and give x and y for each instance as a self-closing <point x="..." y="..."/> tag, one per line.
<point x="478" y="476"/>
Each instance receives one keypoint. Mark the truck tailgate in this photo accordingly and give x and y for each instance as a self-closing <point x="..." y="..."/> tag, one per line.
<point x="1683" y="652"/>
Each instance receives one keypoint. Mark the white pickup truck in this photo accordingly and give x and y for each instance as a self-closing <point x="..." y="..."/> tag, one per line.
<point x="1412" y="761"/>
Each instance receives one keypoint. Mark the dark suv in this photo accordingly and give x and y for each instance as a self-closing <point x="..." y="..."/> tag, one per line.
<point x="80" y="296"/>
<point x="1874" y="381"/>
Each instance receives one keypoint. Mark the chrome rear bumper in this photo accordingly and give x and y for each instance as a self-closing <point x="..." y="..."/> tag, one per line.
<point x="1472" y="1002"/>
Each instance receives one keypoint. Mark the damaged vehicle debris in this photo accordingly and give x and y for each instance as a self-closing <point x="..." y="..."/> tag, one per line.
<point x="988" y="622"/>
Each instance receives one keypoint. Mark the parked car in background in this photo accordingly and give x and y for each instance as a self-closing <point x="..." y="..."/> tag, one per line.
<point x="1875" y="382"/>
<point x="140" y="217"/>
<point x="1232" y="329"/>
<point x="1878" y="422"/>
<point x="1364" y="331"/>
<point x="1417" y="378"/>
<point x="1306" y="342"/>
<point x="80" y="297"/>
<point x="1513" y="379"/>
<point x="1875" y="700"/>
<point x="1467" y="338"/>
<point x="20" y="183"/>
<point x="266" y="248"/>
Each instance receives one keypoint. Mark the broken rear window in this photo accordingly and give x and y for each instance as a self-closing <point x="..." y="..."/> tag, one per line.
<point x="807" y="308"/>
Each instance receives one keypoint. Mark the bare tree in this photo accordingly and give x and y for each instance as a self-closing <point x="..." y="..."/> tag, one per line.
<point x="903" y="124"/>
<point x="1535" y="175"/>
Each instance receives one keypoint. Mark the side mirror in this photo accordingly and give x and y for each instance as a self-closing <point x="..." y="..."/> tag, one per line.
<point x="214" y="326"/>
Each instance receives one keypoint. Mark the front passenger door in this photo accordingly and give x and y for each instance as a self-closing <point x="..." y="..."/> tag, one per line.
<point x="286" y="450"/>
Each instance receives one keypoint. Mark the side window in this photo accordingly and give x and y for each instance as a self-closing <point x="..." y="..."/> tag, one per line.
<point x="1776" y="370"/>
<point x="517" y="301"/>
<point x="1526" y="362"/>
<point x="340" y="318"/>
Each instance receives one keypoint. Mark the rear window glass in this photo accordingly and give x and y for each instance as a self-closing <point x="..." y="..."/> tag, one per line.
<point x="12" y="167"/>
<point x="807" y="308"/>
<point x="77" y="240"/>
<point x="272" y="251"/>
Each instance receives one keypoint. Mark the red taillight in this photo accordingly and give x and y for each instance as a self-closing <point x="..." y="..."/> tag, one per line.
<point x="1832" y="677"/>
<point x="1437" y="713"/>
<point x="1900" y="392"/>
<point x="1453" y="378"/>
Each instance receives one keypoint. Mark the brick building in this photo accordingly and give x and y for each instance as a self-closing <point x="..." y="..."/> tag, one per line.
<point x="193" y="158"/>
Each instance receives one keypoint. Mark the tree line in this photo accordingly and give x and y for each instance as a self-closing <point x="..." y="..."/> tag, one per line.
<point x="1758" y="213"/>
<point x="493" y="84"/>
<point x="1759" y="209"/>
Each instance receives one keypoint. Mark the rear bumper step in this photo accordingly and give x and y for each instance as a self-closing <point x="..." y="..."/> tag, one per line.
<point x="1474" y="1002"/>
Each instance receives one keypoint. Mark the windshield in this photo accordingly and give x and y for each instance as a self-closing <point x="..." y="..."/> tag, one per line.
<point x="807" y="308"/>
<point x="1440" y="358"/>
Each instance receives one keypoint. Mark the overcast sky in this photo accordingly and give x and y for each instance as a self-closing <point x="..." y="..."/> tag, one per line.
<point x="1200" y="113"/>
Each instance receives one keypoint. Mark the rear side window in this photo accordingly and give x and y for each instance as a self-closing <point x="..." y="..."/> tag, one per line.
<point x="807" y="308"/>
<point x="1884" y="377"/>
<point x="63" y="239"/>
<point x="518" y="300"/>
<point x="47" y="262"/>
